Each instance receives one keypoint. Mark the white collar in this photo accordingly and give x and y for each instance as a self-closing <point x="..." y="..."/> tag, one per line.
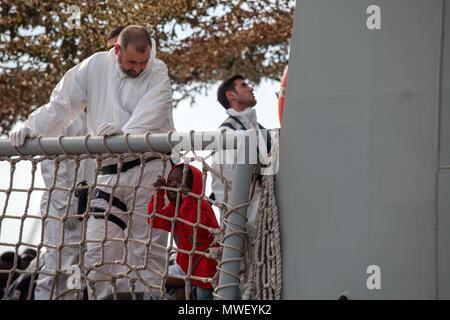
<point x="248" y="116"/>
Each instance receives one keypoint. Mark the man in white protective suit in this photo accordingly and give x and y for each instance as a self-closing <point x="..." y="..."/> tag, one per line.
<point x="236" y="96"/>
<point x="47" y="286"/>
<point x="126" y="90"/>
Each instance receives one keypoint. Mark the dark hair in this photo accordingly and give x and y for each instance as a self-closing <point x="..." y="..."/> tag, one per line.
<point x="29" y="252"/>
<point x="136" y="35"/>
<point x="189" y="182"/>
<point x="7" y="259"/>
<point x="114" y="32"/>
<point x="227" y="85"/>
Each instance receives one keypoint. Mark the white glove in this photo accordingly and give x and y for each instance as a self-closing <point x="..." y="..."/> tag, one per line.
<point x="108" y="129"/>
<point x="17" y="138"/>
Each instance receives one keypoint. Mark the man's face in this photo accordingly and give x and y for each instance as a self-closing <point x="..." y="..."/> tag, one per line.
<point x="131" y="61"/>
<point x="242" y="94"/>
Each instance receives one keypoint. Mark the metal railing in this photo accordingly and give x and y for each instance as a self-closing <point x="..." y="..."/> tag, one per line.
<point x="233" y="244"/>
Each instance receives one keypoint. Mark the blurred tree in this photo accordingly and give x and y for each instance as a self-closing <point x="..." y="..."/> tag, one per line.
<point x="201" y="41"/>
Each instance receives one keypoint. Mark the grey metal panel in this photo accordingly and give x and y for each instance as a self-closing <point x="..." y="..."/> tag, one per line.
<point x="355" y="186"/>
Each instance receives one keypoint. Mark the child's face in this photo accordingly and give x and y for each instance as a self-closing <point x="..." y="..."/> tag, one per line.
<point x="174" y="181"/>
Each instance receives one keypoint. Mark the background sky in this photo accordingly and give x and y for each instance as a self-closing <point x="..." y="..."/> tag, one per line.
<point x="205" y="115"/>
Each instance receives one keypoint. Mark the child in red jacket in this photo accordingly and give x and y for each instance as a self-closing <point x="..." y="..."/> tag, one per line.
<point x="183" y="233"/>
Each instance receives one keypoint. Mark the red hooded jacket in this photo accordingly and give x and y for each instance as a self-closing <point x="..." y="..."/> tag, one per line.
<point x="183" y="233"/>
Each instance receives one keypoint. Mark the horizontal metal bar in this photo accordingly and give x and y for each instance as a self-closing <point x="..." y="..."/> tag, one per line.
<point x="158" y="142"/>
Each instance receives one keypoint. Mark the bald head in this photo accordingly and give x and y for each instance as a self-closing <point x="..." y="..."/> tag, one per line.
<point x="133" y="50"/>
<point x="137" y="36"/>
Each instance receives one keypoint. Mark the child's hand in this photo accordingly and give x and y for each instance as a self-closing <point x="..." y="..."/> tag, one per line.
<point x="160" y="182"/>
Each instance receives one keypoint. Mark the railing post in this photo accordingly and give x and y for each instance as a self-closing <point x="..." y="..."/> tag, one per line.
<point x="233" y="247"/>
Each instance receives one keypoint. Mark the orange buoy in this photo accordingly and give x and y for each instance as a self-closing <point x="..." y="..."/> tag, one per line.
<point x="281" y="95"/>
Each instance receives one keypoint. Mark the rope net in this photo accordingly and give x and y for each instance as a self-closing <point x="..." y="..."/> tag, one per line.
<point x="102" y="227"/>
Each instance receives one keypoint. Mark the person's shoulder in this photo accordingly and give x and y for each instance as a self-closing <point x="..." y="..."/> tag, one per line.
<point x="98" y="58"/>
<point x="159" y="66"/>
<point x="159" y="63"/>
<point x="228" y="124"/>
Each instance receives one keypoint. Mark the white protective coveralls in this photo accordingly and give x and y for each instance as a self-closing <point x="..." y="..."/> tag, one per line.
<point x="57" y="207"/>
<point x="135" y="105"/>
<point x="248" y="119"/>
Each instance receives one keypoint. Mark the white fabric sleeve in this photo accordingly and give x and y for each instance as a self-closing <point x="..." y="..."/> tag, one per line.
<point x="226" y="169"/>
<point x="65" y="175"/>
<point x="64" y="178"/>
<point x="67" y="100"/>
<point x="176" y="270"/>
<point x="217" y="186"/>
<point x="154" y="110"/>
